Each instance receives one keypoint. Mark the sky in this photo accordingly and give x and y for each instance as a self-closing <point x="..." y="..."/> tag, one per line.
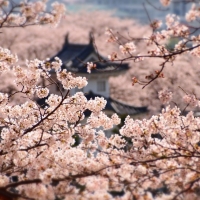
<point x="139" y="10"/>
<point x="143" y="11"/>
<point x="131" y="9"/>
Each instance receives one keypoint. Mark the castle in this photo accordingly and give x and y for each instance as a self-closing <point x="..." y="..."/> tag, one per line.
<point x="74" y="58"/>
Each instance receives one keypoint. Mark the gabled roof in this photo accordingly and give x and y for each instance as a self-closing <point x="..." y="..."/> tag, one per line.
<point x="118" y="107"/>
<point x="74" y="57"/>
<point x="124" y="109"/>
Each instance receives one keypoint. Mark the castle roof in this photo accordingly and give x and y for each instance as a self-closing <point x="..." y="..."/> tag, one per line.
<point x="75" y="57"/>
<point x="118" y="107"/>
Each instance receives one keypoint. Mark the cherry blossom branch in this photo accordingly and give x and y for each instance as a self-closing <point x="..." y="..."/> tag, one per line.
<point x="46" y="117"/>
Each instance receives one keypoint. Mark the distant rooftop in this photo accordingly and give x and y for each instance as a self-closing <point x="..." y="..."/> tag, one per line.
<point x="75" y="56"/>
<point x="118" y="107"/>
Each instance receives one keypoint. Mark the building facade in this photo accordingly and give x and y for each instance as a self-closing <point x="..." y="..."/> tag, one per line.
<point x="75" y="57"/>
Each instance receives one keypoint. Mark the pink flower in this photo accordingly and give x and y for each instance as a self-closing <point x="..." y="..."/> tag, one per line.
<point x="128" y="48"/>
<point x="191" y="100"/>
<point x="90" y="66"/>
<point x="165" y="2"/>
<point x="165" y="96"/>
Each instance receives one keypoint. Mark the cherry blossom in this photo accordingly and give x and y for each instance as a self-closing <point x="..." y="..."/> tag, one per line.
<point x="56" y="152"/>
<point x="165" y="96"/>
<point x="90" y="66"/>
<point x="165" y="2"/>
<point x="127" y="48"/>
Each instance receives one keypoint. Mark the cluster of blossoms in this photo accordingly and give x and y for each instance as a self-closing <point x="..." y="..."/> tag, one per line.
<point x="55" y="152"/>
<point x="28" y="13"/>
<point x="3" y="99"/>
<point x="165" y="2"/>
<point x="156" y="24"/>
<point x="69" y="156"/>
<point x="69" y="81"/>
<point x="112" y="37"/>
<point x="193" y="13"/>
<point x="127" y="48"/>
<point x="191" y="100"/>
<point x="174" y="29"/>
<point x="42" y="92"/>
<point x="158" y="43"/>
<point x="165" y="96"/>
<point x="90" y="66"/>
<point x="6" y="59"/>
<point x="113" y="56"/>
<point x="112" y="166"/>
<point x="40" y="141"/>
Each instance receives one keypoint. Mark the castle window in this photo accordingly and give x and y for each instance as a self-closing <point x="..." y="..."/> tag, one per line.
<point x="101" y="86"/>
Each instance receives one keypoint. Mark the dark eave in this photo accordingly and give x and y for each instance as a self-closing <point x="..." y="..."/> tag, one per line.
<point x="125" y="109"/>
<point x="100" y="68"/>
<point x="74" y="53"/>
<point x="73" y="57"/>
<point x="119" y="107"/>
